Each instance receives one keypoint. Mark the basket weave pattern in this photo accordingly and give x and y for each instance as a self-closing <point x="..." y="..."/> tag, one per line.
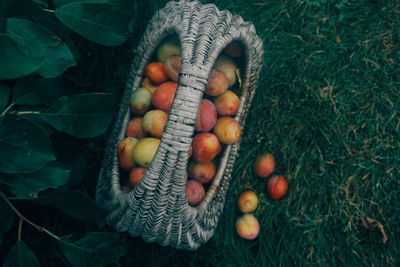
<point x="157" y="209"/>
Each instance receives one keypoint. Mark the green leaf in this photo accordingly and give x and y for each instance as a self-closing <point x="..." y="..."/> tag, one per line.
<point x="38" y="91"/>
<point x="20" y="255"/>
<point x="37" y="41"/>
<point x="84" y="116"/>
<point x="38" y="121"/>
<point x="13" y="62"/>
<point x="7" y="218"/>
<point x="31" y="38"/>
<point x="40" y="3"/>
<point x="4" y="96"/>
<point x="20" y="8"/>
<point x="24" y="147"/>
<point x="76" y="204"/>
<point x="51" y="23"/>
<point x="95" y="249"/>
<point x="3" y="25"/>
<point x="99" y="23"/>
<point x="70" y="155"/>
<point x="129" y="6"/>
<point x="28" y="185"/>
<point x="59" y="3"/>
<point x="53" y="67"/>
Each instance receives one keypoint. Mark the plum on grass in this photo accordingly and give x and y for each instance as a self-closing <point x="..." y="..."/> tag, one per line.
<point x="247" y="226"/>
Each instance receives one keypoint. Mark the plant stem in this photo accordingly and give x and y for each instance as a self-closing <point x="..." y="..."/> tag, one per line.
<point x="27" y="112"/>
<point x="22" y="217"/>
<point x="20" y="229"/>
<point x="48" y="10"/>
<point x="7" y="109"/>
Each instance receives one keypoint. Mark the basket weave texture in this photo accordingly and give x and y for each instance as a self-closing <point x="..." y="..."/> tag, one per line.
<point x="157" y="209"/>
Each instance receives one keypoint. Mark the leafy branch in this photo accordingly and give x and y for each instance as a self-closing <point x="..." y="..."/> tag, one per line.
<point x="23" y="218"/>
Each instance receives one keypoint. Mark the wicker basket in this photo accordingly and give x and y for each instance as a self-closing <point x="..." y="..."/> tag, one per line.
<point x="157" y="209"/>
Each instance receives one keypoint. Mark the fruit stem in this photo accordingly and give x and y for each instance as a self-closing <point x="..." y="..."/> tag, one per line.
<point x="23" y="218"/>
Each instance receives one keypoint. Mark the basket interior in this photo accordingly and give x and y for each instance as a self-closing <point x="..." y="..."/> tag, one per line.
<point x="241" y="61"/>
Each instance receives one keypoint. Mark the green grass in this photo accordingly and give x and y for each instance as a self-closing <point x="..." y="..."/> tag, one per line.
<point x="328" y="109"/>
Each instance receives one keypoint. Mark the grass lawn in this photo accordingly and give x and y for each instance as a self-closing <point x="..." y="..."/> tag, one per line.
<point x="327" y="107"/>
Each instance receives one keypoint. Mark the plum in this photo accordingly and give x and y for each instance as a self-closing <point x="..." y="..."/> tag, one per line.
<point x="169" y="47"/>
<point x="164" y="96"/>
<point x="247" y="226"/>
<point x="247" y="201"/>
<point x="228" y="66"/>
<point x="136" y="175"/>
<point x="227" y="130"/>
<point x="207" y="116"/>
<point x="155" y="71"/>
<point x="227" y="104"/>
<point x="125" y="153"/>
<point x="172" y="67"/>
<point x="140" y="100"/>
<point x="277" y="187"/>
<point x="202" y="172"/>
<point x="154" y="122"/>
<point x="195" y="192"/>
<point x="144" y="151"/>
<point x="205" y="147"/>
<point x="149" y="85"/>
<point x="217" y="83"/>
<point x="135" y="129"/>
<point x="265" y="165"/>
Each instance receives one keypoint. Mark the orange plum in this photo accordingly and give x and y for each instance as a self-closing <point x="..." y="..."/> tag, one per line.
<point x="217" y="83"/>
<point x="164" y="96"/>
<point x="136" y="175"/>
<point x="265" y="165"/>
<point x="247" y="226"/>
<point x="202" y="172"/>
<point x="205" y="147"/>
<point x="207" y="116"/>
<point x="247" y="201"/>
<point x="169" y="47"/>
<point x="154" y="121"/>
<point x="155" y="71"/>
<point x="140" y="100"/>
<point x="228" y="66"/>
<point x="145" y="150"/>
<point x="135" y="129"/>
<point x="227" y="130"/>
<point x="227" y="104"/>
<point x="172" y="67"/>
<point x="277" y="187"/>
<point x="195" y="192"/>
<point x="149" y="85"/>
<point x="125" y="153"/>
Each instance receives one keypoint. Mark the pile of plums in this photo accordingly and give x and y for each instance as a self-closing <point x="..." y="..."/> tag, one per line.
<point x="215" y="126"/>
